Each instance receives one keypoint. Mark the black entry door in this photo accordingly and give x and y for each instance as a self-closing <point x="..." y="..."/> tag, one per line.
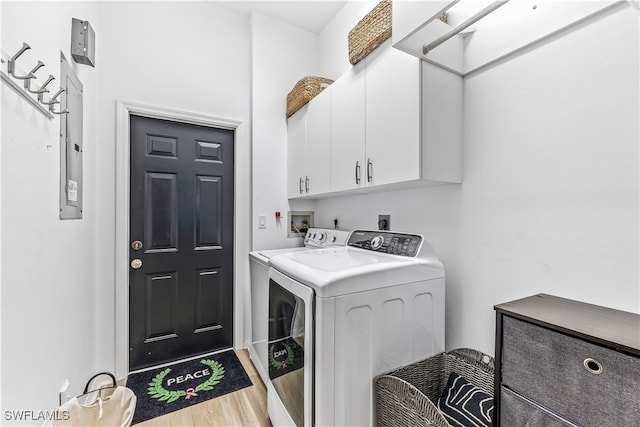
<point x="181" y="214"/>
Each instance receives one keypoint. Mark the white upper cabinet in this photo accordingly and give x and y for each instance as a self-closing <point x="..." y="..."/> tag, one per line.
<point x="296" y="146"/>
<point x="318" y="152"/>
<point x="308" y="148"/>
<point x="392" y="108"/>
<point x="390" y="121"/>
<point x="347" y="129"/>
<point x="375" y="116"/>
<point x="498" y="28"/>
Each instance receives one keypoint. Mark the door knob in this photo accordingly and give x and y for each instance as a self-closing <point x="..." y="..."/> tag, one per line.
<point x="136" y="245"/>
<point x="136" y="264"/>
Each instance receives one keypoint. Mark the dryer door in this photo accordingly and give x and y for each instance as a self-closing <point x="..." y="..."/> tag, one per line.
<point x="290" y="351"/>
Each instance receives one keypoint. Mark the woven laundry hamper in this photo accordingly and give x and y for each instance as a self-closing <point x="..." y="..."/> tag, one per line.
<point x="304" y="91"/>
<point x="370" y="32"/>
<point x="407" y="396"/>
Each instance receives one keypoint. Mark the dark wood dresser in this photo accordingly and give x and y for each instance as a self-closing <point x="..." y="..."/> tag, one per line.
<point x="561" y="362"/>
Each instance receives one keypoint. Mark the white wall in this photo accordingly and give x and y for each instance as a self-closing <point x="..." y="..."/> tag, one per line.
<point x="48" y="265"/>
<point x="191" y="56"/>
<point x="281" y="55"/>
<point x="549" y="201"/>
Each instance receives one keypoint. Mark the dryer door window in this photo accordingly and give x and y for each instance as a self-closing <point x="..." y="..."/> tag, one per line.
<point x="286" y="349"/>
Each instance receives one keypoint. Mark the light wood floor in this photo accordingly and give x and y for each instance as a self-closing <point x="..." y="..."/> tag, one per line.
<point x="245" y="407"/>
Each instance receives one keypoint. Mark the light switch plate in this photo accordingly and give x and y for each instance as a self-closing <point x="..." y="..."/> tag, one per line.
<point x="262" y="221"/>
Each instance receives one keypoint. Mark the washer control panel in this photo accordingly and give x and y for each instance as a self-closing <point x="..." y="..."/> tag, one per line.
<point x="323" y="237"/>
<point x="386" y="242"/>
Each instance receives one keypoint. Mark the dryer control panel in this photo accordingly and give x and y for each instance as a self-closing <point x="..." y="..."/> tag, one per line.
<point x="386" y="242"/>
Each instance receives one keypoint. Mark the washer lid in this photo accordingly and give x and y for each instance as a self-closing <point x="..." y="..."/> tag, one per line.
<point x="315" y="238"/>
<point x="340" y="271"/>
<point x="270" y="253"/>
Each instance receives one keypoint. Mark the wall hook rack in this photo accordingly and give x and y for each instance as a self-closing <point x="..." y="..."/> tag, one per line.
<point x="26" y="88"/>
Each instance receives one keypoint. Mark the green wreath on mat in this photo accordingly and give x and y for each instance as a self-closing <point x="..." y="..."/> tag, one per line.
<point x="157" y="390"/>
<point x="288" y="361"/>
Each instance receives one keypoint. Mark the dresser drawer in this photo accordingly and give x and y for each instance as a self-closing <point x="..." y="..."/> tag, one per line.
<point x="553" y="370"/>
<point x="517" y="411"/>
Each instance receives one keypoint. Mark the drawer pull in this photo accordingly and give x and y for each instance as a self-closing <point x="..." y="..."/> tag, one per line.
<point x="593" y="366"/>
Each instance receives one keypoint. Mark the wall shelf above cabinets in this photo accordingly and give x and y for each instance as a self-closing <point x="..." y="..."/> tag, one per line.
<point x="392" y="121"/>
<point x="479" y="33"/>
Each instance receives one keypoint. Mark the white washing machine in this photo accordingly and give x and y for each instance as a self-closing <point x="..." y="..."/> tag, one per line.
<point x="340" y="316"/>
<point x="316" y="238"/>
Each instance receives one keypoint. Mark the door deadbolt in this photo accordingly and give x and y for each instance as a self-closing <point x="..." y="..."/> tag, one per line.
<point x="136" y="245"/>
<point x="136" y="264"/>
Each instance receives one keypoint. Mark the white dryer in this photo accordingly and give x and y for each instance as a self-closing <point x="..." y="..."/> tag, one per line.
<point x="340" y="316"/>
<point x="315" y="238"/>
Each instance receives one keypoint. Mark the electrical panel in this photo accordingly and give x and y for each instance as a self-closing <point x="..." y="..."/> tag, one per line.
<point x="71" y="145"/>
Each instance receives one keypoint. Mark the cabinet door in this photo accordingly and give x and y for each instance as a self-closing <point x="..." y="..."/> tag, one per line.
<point x="392" y="117"/>
<point x="318" y="156"/>
<point x="347" y="130"/>
<point x="296" y="135"/>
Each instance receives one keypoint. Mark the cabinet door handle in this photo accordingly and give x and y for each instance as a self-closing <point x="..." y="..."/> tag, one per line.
<point x="306" y="183"/>
<point x="357" y="172"/>
<point x="300" y="185"/>
<point x="369" y="172"/>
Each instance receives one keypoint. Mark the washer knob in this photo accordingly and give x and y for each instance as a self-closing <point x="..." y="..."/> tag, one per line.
<point x="322" y="237"/>
<point x="376" y="242"/>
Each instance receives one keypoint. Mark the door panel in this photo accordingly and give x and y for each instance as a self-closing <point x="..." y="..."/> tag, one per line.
<point x="296" y="147"/>
<point x="318" y="153"/>
<point x="181" y="298"/>
<point x="208" y="287"/>
<point x="161" y="146"/>
<point x="161" y="222"/>
<point x="393" y="116"/>
<point x="347" y="130"/>
<point x="161" y="311"/>
<point x="208" y="212"/>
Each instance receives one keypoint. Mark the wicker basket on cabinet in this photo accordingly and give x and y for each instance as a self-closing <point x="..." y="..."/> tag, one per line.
<point x="304" y="91"/>
<point x="407" y="396"/>
<point x="370" y="32"/>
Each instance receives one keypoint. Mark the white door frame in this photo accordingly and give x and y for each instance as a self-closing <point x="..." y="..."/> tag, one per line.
<point x="242" y="218"/>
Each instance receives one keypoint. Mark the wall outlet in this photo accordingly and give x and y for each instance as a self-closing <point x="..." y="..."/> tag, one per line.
<point x="384" y="222"/>
<point x="64" y="395"/>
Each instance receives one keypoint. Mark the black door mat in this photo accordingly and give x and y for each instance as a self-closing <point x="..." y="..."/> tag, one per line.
<point x="170" y="388"/>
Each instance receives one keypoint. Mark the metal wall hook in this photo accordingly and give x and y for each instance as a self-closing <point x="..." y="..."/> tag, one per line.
<point x="53" y="99"/>
<point x="11" y="64"/>
<point x="27" y="77"/>
<point x="65" y="111"/>
<point x="42" y="90"/>
<point x="27" y="82"/>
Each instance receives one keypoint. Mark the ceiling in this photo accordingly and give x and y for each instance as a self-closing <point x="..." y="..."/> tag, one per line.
<point x="310" y="15"/>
